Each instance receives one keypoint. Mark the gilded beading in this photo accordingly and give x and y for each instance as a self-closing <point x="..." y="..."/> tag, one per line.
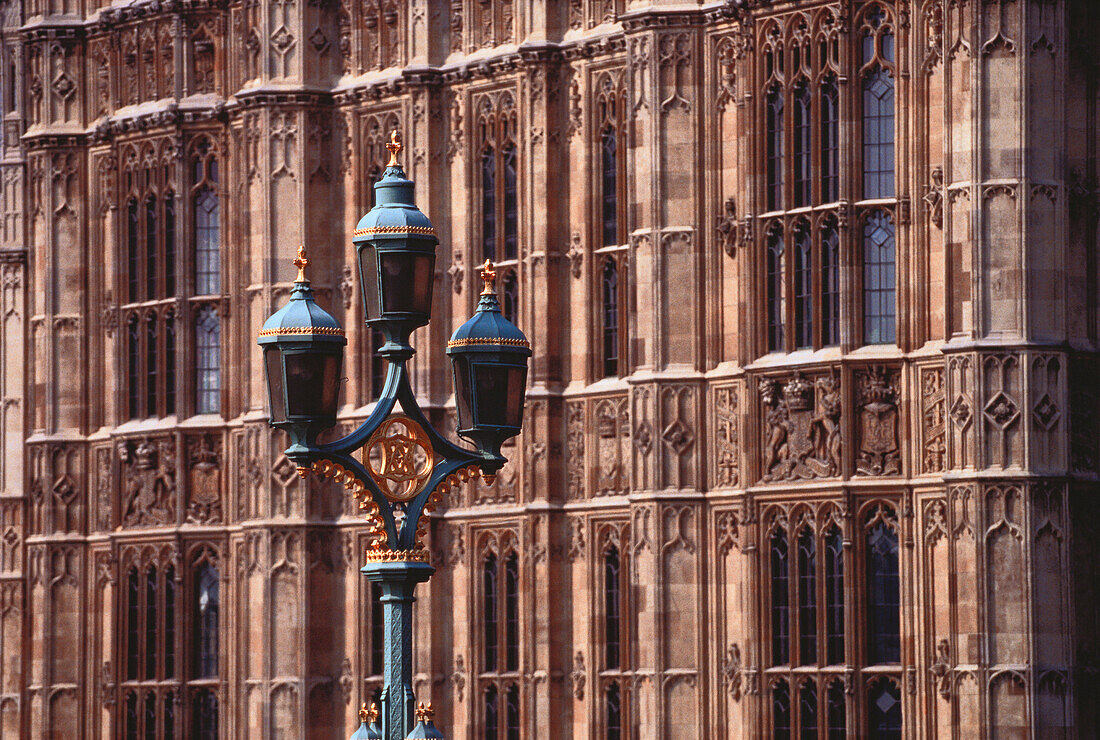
<point x="358" y="489"/>
<point x="330" y="330"/>
<point x="427" y="230"/>
<point x="492" y="341"/>
<point x="373" y="555"/>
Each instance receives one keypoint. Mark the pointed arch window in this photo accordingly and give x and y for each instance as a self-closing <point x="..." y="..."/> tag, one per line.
<point x="488" y="204"/>
<point x="613" y="702"/>
<point x="170" y="244"/>
<point x="609" y="186"/>
<point x="877" y="57"/>
<point x="781" y="710"/>
<point x="830" y="283"/>
<point x="204" y="714"/>
<point x="830" y="141"/>
<point x="133" y="259"/>
<point x="774" y="134"/>
<point x="836" y="711"/>
<point x="803" y="287"/>
<point x="834" y="597"/>
<point x="807" y="709"/>
<point x="151" y="247"/>
<point x="489" y="596"/>
<point x="512" y="711"/>
<point x="780" y="597"/>
<point x="511" y="612"/>
<point x="509" y="304"/>
<point x="511" y="202"/>
<point x="878" y="278"/>
<point x="610" y="314"/>
<point x="612" y="608"/>
<point x="133" y="366"/>
<point x="807" y="597"/>
<point x="884" y="705"/>
<point x="207" y="216"/>
<point x="803" y="150"/>
<point x="492" y="725"/>
<point x="776" y="280"/>
<point x="152" y="357"/>
<point x="205" y="621"/>
<point x="499" y="174"/>
<point x="207" y="361"/>
<point x="170" y="363"/>
<point x="883" y="589"/>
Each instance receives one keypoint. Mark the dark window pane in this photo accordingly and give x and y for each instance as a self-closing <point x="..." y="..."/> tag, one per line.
<point x="377" y="364"/>
<point x="207" y="361"/>
<point x="151" y="360"/>
<point x="883" y="595"/>
<point x="511" y="613"/>
<point x="830" y="141"/>
<point x="133" y="628"/>
<point x="803" y="288"/>
<point x="878" y="134"/>
<point x="488" y="205"/>
<point x="489" y="587"/>
<point x="133" y="367"/>
<point x="377" y="631"/>
<point x="131" y="716"/>
<point x="609" y="185"/>
<point x="207" y="608"/>
<point x="802" y="145"/>
<point x="497" y="402"/>
<point x="151" y="235"/>
<point x="780" y="598"/>
<point x="774" y="136"/>
<point x="151" y="624"/>
<point x="133" y="260"/>
<point x="406" y="281"/>
<point x="614" y="713"/>
<point x="777" y="314"/>
<point x="610" y="313"/>
<point x="204" y="715"/>
<point x="807" y="710"/>
<point x="781" y="711"/>
<point x="150" y="716"/>
<point x="170" y="622"/>
<point x="878" y="279"/>
<point x="834" y="597"/>
<point x="170" y="245"/>
<point x="830" y="284"/>
<point x="884" y="710"/>
<point x="207" y="242"/>
<point x="312" y="384"/>
<point x="169" y="716"/>
<point x="170" y="365"/>
<point x="513" y="712"/>
<point x="837" y="711"/>
<point x="491" y="713"/>
<point x="273" y="363"/>
<point x="807" y="598"/>
<point x="612" y="608"/>
<point x="511" y="203"/>
<point x="509" y="304"/>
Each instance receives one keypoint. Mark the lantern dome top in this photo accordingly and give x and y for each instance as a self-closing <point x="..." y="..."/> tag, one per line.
<point x="368" y="719"/>
<point x="301" y="319"/>
<point x="395" y="213"/>
<point x="425" y="728"/>
<point x="488" y="330"/>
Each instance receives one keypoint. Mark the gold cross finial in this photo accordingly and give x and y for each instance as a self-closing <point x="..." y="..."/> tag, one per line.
<point x="301" y="262"/>
<point x="368" y="715"/>
<point x="488" y="274"/>
<point x="363" y="713"/>
<point x="424" y="713"/>
<point x="395" y="146"/>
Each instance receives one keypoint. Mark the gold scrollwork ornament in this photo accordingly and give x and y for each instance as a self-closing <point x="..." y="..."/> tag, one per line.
<point x="399" y="458"/>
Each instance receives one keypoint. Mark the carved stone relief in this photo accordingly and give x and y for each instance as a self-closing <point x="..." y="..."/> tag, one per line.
<point x="727" y="457"/>
<point x="933" y="420"/>
<point x="801" y="430"/>
<point x="877" y="450"/>
<point x="148" y="481"/>
<point x="613" y="445"/>
<point x="204" y="459"/>
<point x="575" y="462"/>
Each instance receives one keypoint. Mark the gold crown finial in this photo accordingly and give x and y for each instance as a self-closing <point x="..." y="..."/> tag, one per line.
<point x="488" y="274"/>
<point x="301" y="262"/>
<point x="368" y="715"/>
<point x="424" y="713"/>
<point x="395" y="146"/>
<point x="363" y="713"/>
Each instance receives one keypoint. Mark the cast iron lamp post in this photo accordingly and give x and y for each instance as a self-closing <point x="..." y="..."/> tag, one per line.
<point x="406" y="466"/>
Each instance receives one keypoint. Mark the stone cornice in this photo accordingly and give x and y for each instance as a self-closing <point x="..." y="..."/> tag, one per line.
<point x="13" y="256"/>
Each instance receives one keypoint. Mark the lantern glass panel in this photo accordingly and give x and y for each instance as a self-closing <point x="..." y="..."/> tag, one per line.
<point x="406" y="281"/>
<point x="463" y="391"/>
<point x="500" y="393"/>
<point x="368" y="273"/>
<point x="273" y="362"/>
<point x="312" y="381"/>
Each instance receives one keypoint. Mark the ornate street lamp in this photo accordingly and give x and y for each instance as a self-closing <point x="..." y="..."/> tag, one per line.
<point x="405" y="466"/>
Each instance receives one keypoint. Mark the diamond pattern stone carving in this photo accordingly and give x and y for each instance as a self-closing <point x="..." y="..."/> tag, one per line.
<point x="1002" y="410"/>
<point x="678" y="437"/>
<point x="960" y="412"/>
<point x="1046" y="412"/>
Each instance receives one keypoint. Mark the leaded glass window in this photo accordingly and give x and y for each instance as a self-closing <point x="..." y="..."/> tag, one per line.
<point x="878" y="278"/>
<point x="884" y="709"/>
<point x="207" y="361"/>
<point x="883" y="592"/>
<point x="204" y="715"/>
<point x="511" y="612"/>
<point x="488" y="204"/>
<point x="802" y="144"/>
<point x="774" y="127"/>
<point x="509" y="304"/>
<point x="513" y="712"/>
<point x="830" y="141"/>
<point x="205" y="620"/>
<point x="491" y="720"/>
<point x="613" y="702"/>
<point x="807" y="709"/>
<point x="207" y="242"/>
<point x="610" y="186"/>
<point x="152" y="358"/>
<point x="609" y="285"/>
<point x="803" y="288"/>
<point x="836" y="711"/>
<point x="489" y="596"/>
<point x="781" y="710"/>
<point x="830" y="284"/>
<point x="776" y="308"/>
<point x="780" y="597"/>
<point x="511" y="203"/>
<point x="834" y="597"/>
<point x="807" y="597"/>
<point x="612" y="608"/>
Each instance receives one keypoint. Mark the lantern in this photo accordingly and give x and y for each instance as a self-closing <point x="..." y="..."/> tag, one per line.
<point x="303" y="352"/>
<point x="395" y="243"/>
<point x="489" y="359"/>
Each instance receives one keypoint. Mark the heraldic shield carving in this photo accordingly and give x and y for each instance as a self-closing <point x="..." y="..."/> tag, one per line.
<point x="878" y="424"/>
<point x="801" y="428"/>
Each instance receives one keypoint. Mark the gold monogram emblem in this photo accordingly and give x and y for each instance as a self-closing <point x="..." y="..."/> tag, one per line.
<point x="399" y="458"/>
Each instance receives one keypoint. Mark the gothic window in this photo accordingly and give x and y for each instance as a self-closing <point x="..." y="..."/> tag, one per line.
<point x="802" y="146"/>
<point x="509" y="305"/>
<point x="614" y="719"/>
<point x="207" y="361"/>
<point x="133" y="366"/>
<point x="803" y="287"/>
<point x="774" y="125"/>
<point x="205" y="621"/>
<point x="207" y="214"/>
<point x="807" y="708"/>
<point x="614" y="614"/>
<point x="489" y="594"/>
<point x="807" y="597"/>
<point x="204" y="715"/>
<point x="170" y="244"/>
<point x="169" y="363"/>
<point x="512" y="712"/>
<point x="830" y="283"/>
<point x="780" y="597"/>
<point x="499" y="175"/>
<point x="610" y="137"/>
<point x="781" y="710"/>
<point x="377" y="631"/>
<point x="830" y="140"/>
<point x="878" y="278"/>
<point x="133" y="261"/>
<point x="499" y="630"/>
<point x="152" y="356"/>
<point x="492" y="725"/>
<point x="151" y="246"/>
<point x="877" y="72"/>
<point x="884" y="703"/>
<point x="834" y="597"/>
<point x="610" y="314"/>
<point x="511" y="612"/>
<point x="149" y="611"/>
<point x="883" y="588"/>
<point x="836" y="712"/>
<point x="493" y="22"/>
<point x="776" y="289"/>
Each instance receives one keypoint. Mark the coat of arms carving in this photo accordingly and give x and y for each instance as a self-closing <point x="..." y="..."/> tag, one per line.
<point x="878" y="452"/>
<point x="149" y="482"/>
<point x="801" y="428"/>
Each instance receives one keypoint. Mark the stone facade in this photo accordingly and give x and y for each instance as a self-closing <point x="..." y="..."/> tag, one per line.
<point x="722" y="441"/>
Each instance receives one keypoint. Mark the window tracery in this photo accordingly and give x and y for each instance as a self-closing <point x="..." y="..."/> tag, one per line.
<point x="500" y="655"/>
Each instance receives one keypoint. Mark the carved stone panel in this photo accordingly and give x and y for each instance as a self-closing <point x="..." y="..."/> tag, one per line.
<point x="727" y="448"/>
<point x="612" y="418"/>
<point x="204" y="461"/>
<point x="801" y="436"/>
<point x="148" y="481"/>
<point x="877" y="442"/>
<point x="933" y="420"/>
<point x="574" y="441"/>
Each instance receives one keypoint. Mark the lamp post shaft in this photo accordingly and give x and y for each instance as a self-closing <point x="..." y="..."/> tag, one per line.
<point x="398" y="582"/>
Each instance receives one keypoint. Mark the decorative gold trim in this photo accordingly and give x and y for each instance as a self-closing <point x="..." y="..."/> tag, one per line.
<point x="488" y="276"/>
<point x="428" y="230"/>
<point x="327" y="330"/>
<point x="367" y="504"/>
<point x="396" y="556"/>
<point x="301" y="262"/>
<point x="489" y="341"/>
<point x="399" y="457"/>
<point x="395" y="148"/>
